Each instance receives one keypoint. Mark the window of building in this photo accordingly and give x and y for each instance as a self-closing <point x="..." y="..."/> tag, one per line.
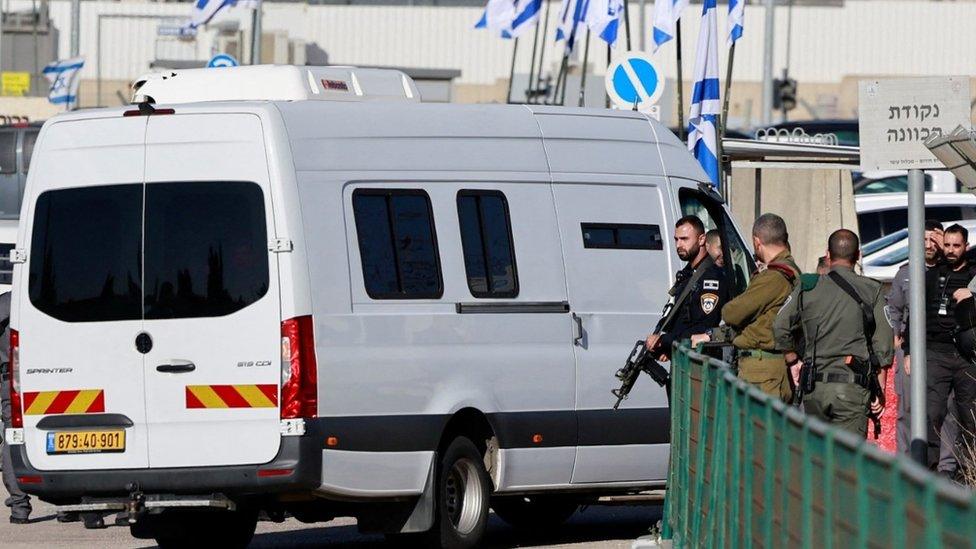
<point x="622" y="236"/>
<point x="397" y="243"/>
<point x="486" y="237"/>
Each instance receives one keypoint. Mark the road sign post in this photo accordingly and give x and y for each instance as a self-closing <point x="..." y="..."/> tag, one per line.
<point x="635" y="81"/>
<point x="895" y="118"/>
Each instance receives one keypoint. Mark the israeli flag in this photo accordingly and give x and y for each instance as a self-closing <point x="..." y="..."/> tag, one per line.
<point x="666" y="15"/>
<point x="572" y="14"/>
<point x="705" y="104"/>
<point x="508" y="18"/>
<point x="605" y="17"/>
<point x="205" y="10"/>
<point x="737" y="15"/>
<point x="63" y="76"/>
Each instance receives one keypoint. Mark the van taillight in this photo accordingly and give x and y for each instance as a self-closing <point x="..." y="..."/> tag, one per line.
<point x="16" y="414"/>
<point x="299" y="387"/>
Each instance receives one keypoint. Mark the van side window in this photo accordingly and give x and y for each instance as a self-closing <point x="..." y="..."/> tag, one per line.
<point x="622" y="236"/>
<point x="8" y="152"/>
<point x="30" y="138"/>
<point x="397" y="243"/>
<point x="486" y="237"/>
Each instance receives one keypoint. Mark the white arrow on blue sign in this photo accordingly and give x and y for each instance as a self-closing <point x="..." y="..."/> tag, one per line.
<point x="634" y="78"/>
<point x="222" y="60"/>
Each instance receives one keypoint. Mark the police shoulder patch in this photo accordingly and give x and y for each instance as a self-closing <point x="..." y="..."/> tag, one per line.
<point x="710" y="284"/>
<point x="708" y="302"/>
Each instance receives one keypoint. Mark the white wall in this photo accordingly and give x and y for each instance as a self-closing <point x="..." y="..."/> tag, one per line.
<point x="864" y="37"/>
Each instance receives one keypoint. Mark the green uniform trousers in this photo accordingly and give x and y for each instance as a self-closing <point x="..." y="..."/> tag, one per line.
<point x="844" y="405"/>
<point x="768" y="373"/>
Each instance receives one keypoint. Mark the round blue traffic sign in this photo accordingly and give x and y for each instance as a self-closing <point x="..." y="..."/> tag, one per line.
<point x="222" y="60"/>
<point x="632" y="79"/>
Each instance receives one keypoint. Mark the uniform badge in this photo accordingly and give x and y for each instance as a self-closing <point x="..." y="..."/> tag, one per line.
<point x="708" y="302"/>
<point x="710" y="285"/>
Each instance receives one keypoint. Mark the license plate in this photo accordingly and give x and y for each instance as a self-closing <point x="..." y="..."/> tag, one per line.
<point x="86" y="442"/>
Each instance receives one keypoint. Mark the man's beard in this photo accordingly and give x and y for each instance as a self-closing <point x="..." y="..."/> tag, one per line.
<point x="688" y="255"/>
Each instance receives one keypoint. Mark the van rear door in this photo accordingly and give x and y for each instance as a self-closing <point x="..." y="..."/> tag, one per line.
<point x="80" y="308"/>
<point x="211" y="293"/>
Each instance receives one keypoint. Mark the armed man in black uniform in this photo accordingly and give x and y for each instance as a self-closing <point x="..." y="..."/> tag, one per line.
<point x="699" y="291"/>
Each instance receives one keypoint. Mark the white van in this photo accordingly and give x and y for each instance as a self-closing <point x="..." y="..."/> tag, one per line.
<point x="337" y="301"/>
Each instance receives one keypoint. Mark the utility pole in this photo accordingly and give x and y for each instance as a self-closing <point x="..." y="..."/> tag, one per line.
<point x="75" y="28"/>
<point x="767" y="91"/>
<point x="255" y="35"/>
<point x="918" y="447"/>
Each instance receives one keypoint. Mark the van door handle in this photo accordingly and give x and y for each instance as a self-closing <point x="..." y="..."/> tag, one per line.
<point x="176" y="367"/>
<point x="577" y="330"/>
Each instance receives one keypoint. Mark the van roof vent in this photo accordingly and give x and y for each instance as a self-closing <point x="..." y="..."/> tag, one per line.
<point x="274" y="83"/>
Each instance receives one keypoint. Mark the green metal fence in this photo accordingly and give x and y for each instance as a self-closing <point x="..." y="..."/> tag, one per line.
<point x="749" y="471"/>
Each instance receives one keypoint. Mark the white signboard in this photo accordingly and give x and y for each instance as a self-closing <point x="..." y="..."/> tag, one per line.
<point x="897" y="116"/>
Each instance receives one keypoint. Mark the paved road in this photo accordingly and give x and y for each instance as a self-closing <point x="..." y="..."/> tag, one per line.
<point x="596" y="527"/>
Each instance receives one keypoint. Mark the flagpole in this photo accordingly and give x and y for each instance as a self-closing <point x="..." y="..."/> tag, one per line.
<point x="723" y="124"/>
<point x="564" y="71"/>
<point x="535" y="45"/>
<point x="627" y="22"/>
<point x="728" y="86"/>
<point x="511" y="73"/>
<point x="542" y="53"/>
<point x="680" y="86"/>
<point x="586" y="58"/>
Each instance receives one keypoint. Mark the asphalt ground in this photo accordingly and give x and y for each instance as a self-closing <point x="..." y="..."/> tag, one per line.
<point x="594" y="527"/>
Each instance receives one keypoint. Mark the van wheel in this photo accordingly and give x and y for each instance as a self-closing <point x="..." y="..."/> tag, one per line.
<point x="206" y="529"/>
<point x="463" y="491"/>
<point x="534" y="512"/>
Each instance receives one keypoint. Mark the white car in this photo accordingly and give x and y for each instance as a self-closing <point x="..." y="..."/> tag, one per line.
<point x="881" y="214"/>
<point x="884" y="263"/>
<point x="896" y="181"/>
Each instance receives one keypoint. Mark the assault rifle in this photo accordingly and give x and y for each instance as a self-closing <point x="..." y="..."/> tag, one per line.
<point x="640" y="360"/>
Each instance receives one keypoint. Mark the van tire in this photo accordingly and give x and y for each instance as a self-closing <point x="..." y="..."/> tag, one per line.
<point x="536" y="512"/>
<point x="463" y="493"/>
<point x="206" y="529"/>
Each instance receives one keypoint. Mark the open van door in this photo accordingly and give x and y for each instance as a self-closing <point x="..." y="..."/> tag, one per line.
<point x="212" y="305"/>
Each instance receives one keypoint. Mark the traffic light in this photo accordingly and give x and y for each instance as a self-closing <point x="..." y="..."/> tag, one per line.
<point x="784" y="93"/>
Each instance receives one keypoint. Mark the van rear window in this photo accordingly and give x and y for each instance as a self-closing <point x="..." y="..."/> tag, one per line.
<point x="86" y="254"/>
<point x="206" y="248"/>
<point x="205" y="251"/>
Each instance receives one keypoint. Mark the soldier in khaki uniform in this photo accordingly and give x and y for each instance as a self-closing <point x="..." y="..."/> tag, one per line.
<point x="833" y="326"/>
<point x="751" y="314"/>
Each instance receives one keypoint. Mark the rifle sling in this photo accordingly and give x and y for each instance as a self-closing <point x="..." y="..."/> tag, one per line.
<point x="867" y="314"/>
<point x="679" y="301"/>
